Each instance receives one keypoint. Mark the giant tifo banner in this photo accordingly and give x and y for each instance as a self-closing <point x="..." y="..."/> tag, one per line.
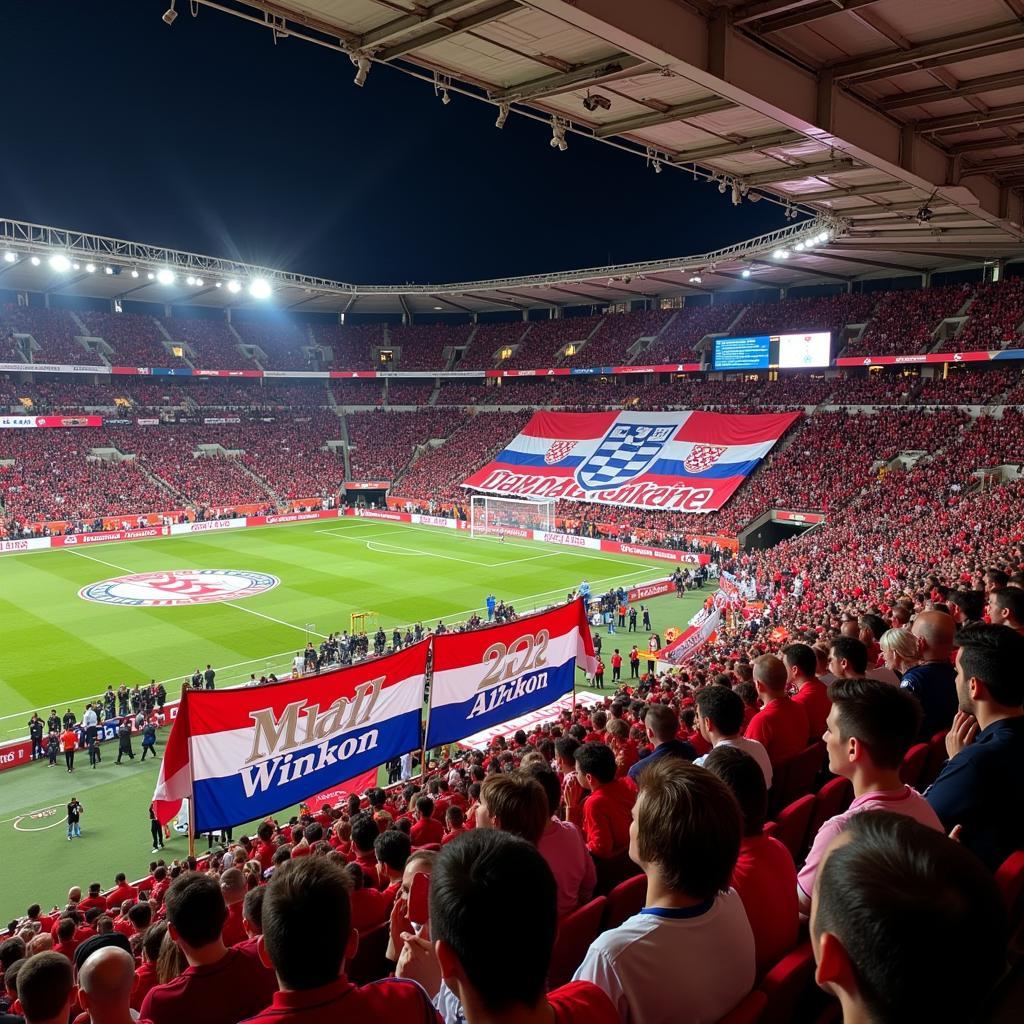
<point x="242" y="754"/>
<point x="684" y="461"/>
<point x="485" y="677"/>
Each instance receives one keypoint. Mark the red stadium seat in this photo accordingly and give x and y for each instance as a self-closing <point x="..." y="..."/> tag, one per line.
<point x="791" y="824"/>
<point x="625" y="900"/>
<point x="795" y="777"/>
<point x="914" y="762"/>
<point x="833" y="798"/>
<point x="937" y="757"/>
<point x="575" y="934"/>
<point x="1010" y="879"/>
<point x="786" y="984"/>
<point x="747" y="1011"/>
<point x="370" y="963"/>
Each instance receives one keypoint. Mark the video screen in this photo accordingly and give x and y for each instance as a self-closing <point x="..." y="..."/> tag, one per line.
<point x="785" y="351"/>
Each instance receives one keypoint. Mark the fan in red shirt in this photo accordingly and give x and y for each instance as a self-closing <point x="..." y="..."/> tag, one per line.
<point x="607" y="814"/>
<point x="454" y="824"/>
<point x="122" y="891"/>
<point x="781" y="726"/>
<point x="392" y="849"/>
<point x="94" y="899"/>
<point x="426" y="828"/>
<point x="309" y="962"/>
<point x="146" y="974"/>
<point x="232" y="887"/>
<point x="811" y="693"/>
<point x="220" y="985"/>
<point x="489" y="876"/>
<point x="264" y="849"/>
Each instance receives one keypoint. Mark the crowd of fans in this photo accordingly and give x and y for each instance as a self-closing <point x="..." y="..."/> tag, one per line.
<point x="382" y="443"/>
<point x="905" y="321"/>
<point x="424" y="346"/>
<point x="995" y="318"/>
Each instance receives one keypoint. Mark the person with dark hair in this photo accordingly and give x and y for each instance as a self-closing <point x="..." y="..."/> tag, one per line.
<point x="220" y="985"/>
<point x="561" y="844"/>
<point x="490" y="876"/>
<point x="1006" y="608"/>
<point x="966" y="607"/>
<point x="981" y="787"/>
<point x="870" y="728"/>
<point x="392" y="849"/>
<point x="765" y="875"/>
<point x="607" y="812"/>
<point x="309" y="961"/>
<point x="426" y="828"/>
<point x="46" y="988"/>
<point x="719" y="719"/>
<point x="898" y="910"/>
<point x="809" y="691"/>
<point x="933" y="680"/>
<point x="781" y="725"/>
<point x="690" y="951"/>
<point x="847" y="658"/>
<point x="145" y="974"/>
<point x="662" y="726"/>
<point x="573" y="794"/>
<point x="513" y="803"/>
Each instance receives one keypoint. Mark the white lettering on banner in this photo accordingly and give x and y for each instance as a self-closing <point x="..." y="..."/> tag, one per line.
<point x="370" y="513"/>
<point x="649" y="495"/>
<point x="17" y="422"/>
<point x="212" y="524"/>
<point x="259" y="779"/>
<point x="501" y="660"/>
<point x="646" y="590"/>
<point x="508" y="692"/>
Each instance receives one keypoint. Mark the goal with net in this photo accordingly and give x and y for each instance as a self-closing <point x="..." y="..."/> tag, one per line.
<point x="511" y="517"/>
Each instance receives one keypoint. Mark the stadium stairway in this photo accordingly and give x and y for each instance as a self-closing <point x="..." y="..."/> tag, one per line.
<point x="264" y="483"/>
<point x="346" y="442"/>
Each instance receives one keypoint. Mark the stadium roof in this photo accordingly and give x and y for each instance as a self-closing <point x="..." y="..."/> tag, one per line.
<point x="896" y="121"/>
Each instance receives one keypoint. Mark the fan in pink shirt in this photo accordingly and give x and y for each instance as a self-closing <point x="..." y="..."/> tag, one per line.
<point x="870" y="728"/>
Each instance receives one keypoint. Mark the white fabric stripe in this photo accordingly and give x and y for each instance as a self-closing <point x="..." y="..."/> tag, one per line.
<point x="176" y="787"/>
<point x="677" y="450"/>
<point x="455" y="685"/>
<point x="218" y="754"/>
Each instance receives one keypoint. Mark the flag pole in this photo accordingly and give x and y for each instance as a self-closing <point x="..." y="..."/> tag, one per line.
<point x="191" y="790"/>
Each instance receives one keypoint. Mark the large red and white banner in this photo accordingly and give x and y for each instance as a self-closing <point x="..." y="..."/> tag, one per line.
<point x="681" y="461"/>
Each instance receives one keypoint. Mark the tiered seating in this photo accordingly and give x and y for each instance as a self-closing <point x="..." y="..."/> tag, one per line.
<point x="136" y="340"/>
<point x="679" y="338"/>
<point x="817" y="313"/>
<point x="461" y="392"/>
<point x="351" y="346"/>
<point x="358" y="392"/>
<point x="438" y="472"/>
<point x="487" y="340"/>
<point x="966" y="387"/>
<point x="416" y="392"/>
<point x="284" y="345"/>
<point x="885" y="387"/>
<point x="54" y="331"/>
<point x="383" y="442"/>
<point x="995" y="317"/>
<point x="543" y="344"/>
<point x="615" y="336"/>
<point x="903" y="321"/>
<point x="423" y="345"/>
<point x="215" y="347"/>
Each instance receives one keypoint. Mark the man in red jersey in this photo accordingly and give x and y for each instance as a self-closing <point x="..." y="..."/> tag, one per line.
<point x="122" y="891"/>
<point x="781" y="726"/>
<point x="487" y="876"/>
<point x="309" y="962"/>
<point x="810" y="692"/>
<point x="426" y="828"/>
<point x="220" y="985"/>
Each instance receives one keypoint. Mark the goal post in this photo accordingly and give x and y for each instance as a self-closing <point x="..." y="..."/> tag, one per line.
<point x="364" y="622"/>
<point x="496" y="517"/>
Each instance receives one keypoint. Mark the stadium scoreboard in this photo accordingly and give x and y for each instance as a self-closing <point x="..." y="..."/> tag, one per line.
<point x="761" y="351"/>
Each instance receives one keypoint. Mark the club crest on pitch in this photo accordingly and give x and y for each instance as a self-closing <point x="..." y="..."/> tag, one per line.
<point x="627" y="451"/>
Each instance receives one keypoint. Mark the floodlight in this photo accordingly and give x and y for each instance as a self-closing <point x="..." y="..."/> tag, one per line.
<point x="259" y="288"/>
<point x="35" y="261"/>
<point x="170" y="14"/>
<point x="60" y="263"/>
<point x="217" y="284"/>
<point x="190" y="280"/>
<point x="445" y="98"/>
<point x="10" y="257"/>
<point x="745" y="272"/>
<point x="90" y="268"/>
<point x="502" y="115"/>
<point x="199" y="282"/>
<point x="135" y="273"/>
<point x="363" y="66"/>
<point x="150" y="276"/>
<point x="234" y="287"/>
<point x="800" y="246"/>
<point x="109" y="271"/>
<point x="165" y="276"/>
<point x="722" y="186"/>
<point x="76" y="266"/>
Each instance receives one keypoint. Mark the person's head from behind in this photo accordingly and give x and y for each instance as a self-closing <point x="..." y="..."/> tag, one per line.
<point x="424" y="808"/>
<point x="392" y="849"/>
<point x="595" y="765"/>
<point x="548" y="782"/>
<point x="719" y="713"/>
<point x="870" y="727"/>
<point x="514" y="803"/>
<point x="195" y="910"/>
<point x="105" y="984"/>
<point x="847" y="657"/>
<point x="365" y="830"/>
<point x="769" y="677"/>
<point x="12" y="950"/>
<point x="491" y="876"/>
<point x="898" y="907"/>
<point x="989" y="663"/>
<point x="966" y="605"/>
<point x="686" y="828"/>
<point x="152" y="941"/>
<point x="310" y="889"/>
<point x="661" y="724"/>
<point x="801" y="662"/>
<point x="745" y="779"/>
<point x="934" y="631"/>
<point x="45" y="986"/>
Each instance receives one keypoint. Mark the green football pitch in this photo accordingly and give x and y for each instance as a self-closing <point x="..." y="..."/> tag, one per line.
<point x="59" y="650"/>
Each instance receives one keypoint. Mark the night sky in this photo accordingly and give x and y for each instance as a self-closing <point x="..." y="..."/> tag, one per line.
<point x="207" y="137"/>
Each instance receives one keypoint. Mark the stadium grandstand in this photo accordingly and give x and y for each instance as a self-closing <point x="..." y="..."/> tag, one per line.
<point x="775" y="489"/>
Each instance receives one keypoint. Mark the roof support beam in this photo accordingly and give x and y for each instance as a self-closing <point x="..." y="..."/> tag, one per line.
<point x="825" y="254"/>
<point x="945" y="50"/>
<point x="776" y="139"/>
<point x="805" y="15"/>
<point x="791" y="262"/>
<point x="709" y="105"/>
<point x="471" y="21"/>
<point x="583" y="297"/>
<point x="970" y="87"/>
<point x="607" y="69"/>
<point x="795" y="173"/>
<point x="846" y="193"/>
<point x="994" y="166"/>
<point x="400" y="26"/>
<point x="975" y="147"/>
<point x="451" y="302"/>
<point x="972" y="118"/>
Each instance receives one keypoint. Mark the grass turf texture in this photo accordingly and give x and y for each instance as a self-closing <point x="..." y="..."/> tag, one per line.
<point x="59" y="651"/>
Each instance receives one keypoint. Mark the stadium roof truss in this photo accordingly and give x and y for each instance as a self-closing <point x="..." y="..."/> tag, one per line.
<point x="899" y="122"/>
